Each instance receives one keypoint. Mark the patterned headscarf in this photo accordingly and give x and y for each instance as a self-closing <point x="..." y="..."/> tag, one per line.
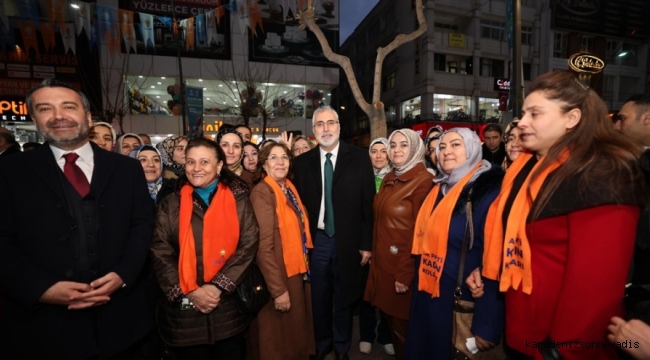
<point x="416" y="151"/>
<point x="166" y="150"/>
<point x="474" y="153"/>
<point x="155" y="185"/>
<point x="380" y="173"/>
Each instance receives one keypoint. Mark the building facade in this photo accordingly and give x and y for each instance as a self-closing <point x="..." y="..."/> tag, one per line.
<point x="451" y="72"/>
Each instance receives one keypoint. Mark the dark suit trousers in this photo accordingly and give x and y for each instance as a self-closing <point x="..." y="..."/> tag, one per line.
<point x="329" y="328"/>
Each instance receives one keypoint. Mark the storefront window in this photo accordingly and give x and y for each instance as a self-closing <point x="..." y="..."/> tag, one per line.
<point x="411" y="110"/>
<point x="488" y="109"/>
<point x="452" y="107"/>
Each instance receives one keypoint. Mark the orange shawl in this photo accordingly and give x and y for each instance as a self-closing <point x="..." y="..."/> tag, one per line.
<point x="291" y="229"/>
<point x="509" y="252"/>
<point x="220" y="236"/>
<point x="432" y="232"/>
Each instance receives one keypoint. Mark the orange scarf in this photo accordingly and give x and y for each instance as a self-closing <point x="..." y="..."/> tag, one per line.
<point x="510" y="252"/>
<point x="220" y="236"/>
<point x="432" y="232"/>
<point x="290" y="228"/>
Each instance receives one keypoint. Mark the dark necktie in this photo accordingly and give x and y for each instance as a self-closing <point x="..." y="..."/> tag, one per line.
<point x="75" y="175"/>
<point x="329" y="206"/>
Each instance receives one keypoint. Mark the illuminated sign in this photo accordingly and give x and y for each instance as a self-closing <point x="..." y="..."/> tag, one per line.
<point x="585" y="63"/>
<point x="501" y="84"/>
<point x="13" y="111"/>
<point x="214" y="127"/>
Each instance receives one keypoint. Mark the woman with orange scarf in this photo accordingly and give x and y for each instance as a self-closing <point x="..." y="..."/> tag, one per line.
<point x="439" y="232"/>
<point x="206" y="236"/>
<point x="285" y="323"/>
<point x="560" y="236"/>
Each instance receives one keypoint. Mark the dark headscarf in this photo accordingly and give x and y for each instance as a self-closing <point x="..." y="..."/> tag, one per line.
<point x="154" y="187"/>
<point x="237" y="167"/>
<point x="166" y="150"/>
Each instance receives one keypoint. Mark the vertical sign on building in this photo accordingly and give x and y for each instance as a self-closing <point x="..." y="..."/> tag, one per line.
<point x="194" y="97"/>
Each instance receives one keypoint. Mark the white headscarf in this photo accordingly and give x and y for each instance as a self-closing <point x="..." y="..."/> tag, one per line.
<point x="416" y="150"/>
<point x="474" y="153"/>
<point x="380" y="173"/>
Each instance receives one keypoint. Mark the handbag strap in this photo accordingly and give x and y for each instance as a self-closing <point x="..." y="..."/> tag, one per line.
<point x="469" y="227"/>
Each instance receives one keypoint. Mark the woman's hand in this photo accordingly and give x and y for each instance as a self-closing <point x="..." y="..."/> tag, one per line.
<point x="483" y="344"/>
<point x="475" y="284"/>
<point x="635" y="332"/>
<point x="400" y="288"/>
<point x="206" y="298"/>
<point x="282" y="302"/>
<point x="286" y="140"/>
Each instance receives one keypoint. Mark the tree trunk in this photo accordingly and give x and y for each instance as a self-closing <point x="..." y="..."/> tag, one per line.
<point x="375" y="109"/>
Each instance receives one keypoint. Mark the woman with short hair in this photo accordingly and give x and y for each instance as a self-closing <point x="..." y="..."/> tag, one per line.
<point x="206" y="237"/>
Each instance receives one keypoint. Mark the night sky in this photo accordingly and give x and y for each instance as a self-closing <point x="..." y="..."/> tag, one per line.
<point x="352" y="12"/>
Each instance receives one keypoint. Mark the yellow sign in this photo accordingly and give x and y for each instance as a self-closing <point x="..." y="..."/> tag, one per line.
<point x="585" y="63"/>
<point x="214" y="127"/>
<point x="457" y="40"/>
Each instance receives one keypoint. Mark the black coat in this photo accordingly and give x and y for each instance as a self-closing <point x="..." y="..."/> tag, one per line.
<point x="353" y="191"/>
<point x="36" y="252"/>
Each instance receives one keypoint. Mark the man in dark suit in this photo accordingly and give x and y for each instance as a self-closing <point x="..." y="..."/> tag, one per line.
<point x="8" y="144"/>
<point x="75" y="233"/>
<point x="336" y="184"/>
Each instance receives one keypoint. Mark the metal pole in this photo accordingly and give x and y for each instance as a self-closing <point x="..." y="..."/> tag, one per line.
<point x="517" y="66"/>
<point x="180" y="73"/>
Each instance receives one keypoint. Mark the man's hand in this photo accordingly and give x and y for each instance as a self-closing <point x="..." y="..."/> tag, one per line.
<point x="635" y="331"/>
<point x="365" y="256"/>
<point x="66" y="293"/>
<point x="100" y="292"/>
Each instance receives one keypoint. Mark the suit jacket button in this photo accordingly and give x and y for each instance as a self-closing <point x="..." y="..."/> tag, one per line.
<point x="69" y="273"/>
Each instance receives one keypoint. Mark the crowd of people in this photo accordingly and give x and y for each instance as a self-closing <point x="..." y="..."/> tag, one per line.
<point x="114" y="248"/>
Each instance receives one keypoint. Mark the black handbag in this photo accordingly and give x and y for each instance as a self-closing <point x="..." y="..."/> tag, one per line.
<point x="252" y="293"/>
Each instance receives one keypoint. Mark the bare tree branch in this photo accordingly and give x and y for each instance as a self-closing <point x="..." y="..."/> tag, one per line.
<point x="375" y="111"/>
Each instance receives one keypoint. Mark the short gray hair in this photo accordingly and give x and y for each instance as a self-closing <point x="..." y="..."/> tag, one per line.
<point x="53" y="83"/>
<point x="323" y="109"/>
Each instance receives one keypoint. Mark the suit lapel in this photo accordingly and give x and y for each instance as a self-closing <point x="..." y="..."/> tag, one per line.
<point x="46" y="168"/>
<point x="314" y="165"/>
<point x="341" y="162"/>
<point x="103" y="168"/>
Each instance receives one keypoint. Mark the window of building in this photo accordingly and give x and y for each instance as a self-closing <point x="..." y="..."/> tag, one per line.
<point x="444" y="26"/>
<point x="628" y="55"/>
<point x="492" y="29"/>
<point x="391" y="114"/>
<point x="560" y="46"/>
<point x="452" y="107"/>
<point x="492" y="67"/>
<point x="609" y="95"/>
<point x="611" y="47"/>
<point x="587" y="44"/>
<point x="360" y="69"/>
<point x="411" y="108"/>
<point x="456" y="64"/>
<point x="530" y="3"/>
<point x="488" y="109"/>
<point x="388" y="81"/>
<point x="627" y="87"/>
<point x="526" y="35"/>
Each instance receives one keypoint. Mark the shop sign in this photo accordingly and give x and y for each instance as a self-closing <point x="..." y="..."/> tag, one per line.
<point x="501" y="84"/>
<point x="586" y="63"/>
<point x="457" y="40"/>
<point x="13" y="111"/>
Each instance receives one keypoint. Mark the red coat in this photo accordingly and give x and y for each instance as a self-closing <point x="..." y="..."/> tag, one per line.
<point x="580" y="261"/>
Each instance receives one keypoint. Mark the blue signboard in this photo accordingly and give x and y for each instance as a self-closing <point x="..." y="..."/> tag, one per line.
<point x="194" y="97"/>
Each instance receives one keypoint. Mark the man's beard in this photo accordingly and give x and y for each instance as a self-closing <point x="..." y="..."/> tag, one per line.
<point x="332" y="140"/>
<point x="69" y="142"/>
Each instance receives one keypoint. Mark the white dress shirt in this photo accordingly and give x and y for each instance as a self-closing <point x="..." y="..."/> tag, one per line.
<point x="86" y="160"/>
<point x="334" y="152"/>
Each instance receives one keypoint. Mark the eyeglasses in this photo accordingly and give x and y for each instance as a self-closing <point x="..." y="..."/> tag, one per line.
<point x="321" y="124"/>
<point x="275" y="158"/>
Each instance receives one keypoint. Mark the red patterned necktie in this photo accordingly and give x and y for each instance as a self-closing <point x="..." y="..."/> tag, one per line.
<point x="75" y="175"/>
